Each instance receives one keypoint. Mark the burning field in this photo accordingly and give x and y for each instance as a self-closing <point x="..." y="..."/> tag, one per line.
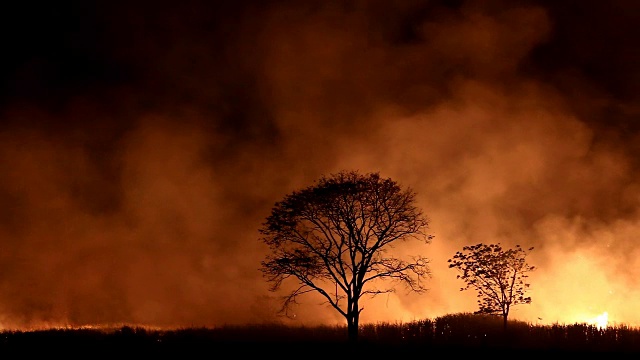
<point x="143" y="144"/>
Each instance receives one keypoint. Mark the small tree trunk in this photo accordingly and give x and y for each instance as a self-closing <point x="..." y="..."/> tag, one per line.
<point x="504" y="322"/>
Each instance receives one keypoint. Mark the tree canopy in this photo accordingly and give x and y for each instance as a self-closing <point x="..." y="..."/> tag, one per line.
<point x="334" y="238"/>
<point x="498" y="275"/>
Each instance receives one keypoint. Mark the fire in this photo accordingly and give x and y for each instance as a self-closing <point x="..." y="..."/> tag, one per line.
<point x="601" y="321"/>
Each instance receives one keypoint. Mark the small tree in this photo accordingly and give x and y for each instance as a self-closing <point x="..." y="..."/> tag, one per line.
<point x="497" y="274"/>
<point x="334" y="238"/>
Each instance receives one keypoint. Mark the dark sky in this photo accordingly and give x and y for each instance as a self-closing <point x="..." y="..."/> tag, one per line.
<point x="142" y="143"/>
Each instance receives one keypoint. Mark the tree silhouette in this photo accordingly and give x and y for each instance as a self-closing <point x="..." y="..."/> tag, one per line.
<point x="334" y="238"/>
<point x="497" y="274"/>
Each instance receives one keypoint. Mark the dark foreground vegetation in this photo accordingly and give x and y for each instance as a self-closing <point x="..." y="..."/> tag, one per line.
<point x="458" y="334"/>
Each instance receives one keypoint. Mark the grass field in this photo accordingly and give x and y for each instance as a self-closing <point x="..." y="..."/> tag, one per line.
<point x="457" y="334"/>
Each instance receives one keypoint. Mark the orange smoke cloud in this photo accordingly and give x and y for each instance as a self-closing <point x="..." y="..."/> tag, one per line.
<point x="140" y="202"/>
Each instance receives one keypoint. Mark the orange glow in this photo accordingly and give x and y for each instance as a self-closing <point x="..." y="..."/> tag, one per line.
<point x="131" y="193"/>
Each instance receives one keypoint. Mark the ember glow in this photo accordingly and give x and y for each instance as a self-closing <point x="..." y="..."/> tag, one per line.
<point x="141" y="147"/>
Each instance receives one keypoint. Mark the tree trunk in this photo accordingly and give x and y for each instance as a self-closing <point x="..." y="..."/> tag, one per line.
<point x="352" y="327"/>
<point x="505" y="316"/>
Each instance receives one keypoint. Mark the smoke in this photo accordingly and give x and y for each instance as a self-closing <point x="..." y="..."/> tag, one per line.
<point x="134" y="193"/>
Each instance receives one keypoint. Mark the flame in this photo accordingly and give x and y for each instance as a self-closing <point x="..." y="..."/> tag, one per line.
<point x="601" y="321"/>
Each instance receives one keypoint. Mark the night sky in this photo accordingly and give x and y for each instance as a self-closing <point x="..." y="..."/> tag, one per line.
<point x="142" y="144"/>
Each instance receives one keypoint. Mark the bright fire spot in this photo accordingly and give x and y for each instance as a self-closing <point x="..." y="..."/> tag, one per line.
<point x="600" y="321"/>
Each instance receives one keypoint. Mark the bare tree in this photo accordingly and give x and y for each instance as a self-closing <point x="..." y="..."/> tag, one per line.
<point x="497" y="274"/>
<point x="334" y="238"/>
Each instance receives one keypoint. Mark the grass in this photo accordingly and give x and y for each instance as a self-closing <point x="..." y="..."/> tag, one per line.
<point x="454" y="334"/>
